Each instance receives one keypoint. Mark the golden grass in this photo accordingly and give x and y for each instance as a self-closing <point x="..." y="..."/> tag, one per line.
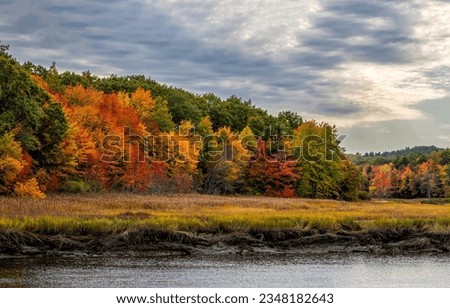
<point x="201" y="213"/>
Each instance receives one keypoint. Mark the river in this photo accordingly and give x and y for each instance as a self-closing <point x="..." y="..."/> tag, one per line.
<point x="356" y="270"/>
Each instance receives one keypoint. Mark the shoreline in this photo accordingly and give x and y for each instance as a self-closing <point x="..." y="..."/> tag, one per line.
<point x="154" y="242"/>
<point x="124" y="224"/>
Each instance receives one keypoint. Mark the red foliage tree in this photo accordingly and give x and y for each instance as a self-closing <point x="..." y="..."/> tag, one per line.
<point x="271" y="175"/>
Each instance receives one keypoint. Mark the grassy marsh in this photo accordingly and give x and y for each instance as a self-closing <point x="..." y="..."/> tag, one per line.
<point x="114" y="213"/>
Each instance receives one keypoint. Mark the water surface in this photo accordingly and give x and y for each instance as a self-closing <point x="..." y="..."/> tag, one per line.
<point x="228" y="271"/>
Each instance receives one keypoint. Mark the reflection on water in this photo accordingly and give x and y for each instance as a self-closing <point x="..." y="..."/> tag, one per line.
<point x="228" y="271"/>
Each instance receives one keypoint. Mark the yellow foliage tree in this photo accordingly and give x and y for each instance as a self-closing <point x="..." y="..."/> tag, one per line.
<point x="79" y="96"/>
<point x="205" y="128"/>
<point x="247" y="144"/>
<point x="29" y="189"/>
<point x="144" y="104"/>
<point x="11" y="162"/>
<point x="187" y="150"/>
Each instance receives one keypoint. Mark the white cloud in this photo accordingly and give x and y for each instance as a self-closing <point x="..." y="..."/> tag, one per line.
<point x="444" y="137"/>
<point x="385" y="92"/>
<point x="390" y="91"/>
<point x="433" y="32"/>
<point x="275" y="30"/>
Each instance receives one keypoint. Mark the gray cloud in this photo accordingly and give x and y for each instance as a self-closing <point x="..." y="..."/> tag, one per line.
<point x="345" y="20"/>
<point x="27" y="24"/>
<point x="339" y="110"/>
<point x="359" y="8"/>
<point x="183" y="43"/>
<point x="5" y="2"/>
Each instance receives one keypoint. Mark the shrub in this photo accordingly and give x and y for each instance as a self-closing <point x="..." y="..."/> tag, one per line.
<point x="363" y="195"/>
<point x="29" y="189"/>
<point x="437" y="201"/>
<point x="447" y="192"/>
<point x="76" y="186"/>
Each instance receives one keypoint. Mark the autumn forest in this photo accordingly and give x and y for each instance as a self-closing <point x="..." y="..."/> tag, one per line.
<point x="75" y="133"/>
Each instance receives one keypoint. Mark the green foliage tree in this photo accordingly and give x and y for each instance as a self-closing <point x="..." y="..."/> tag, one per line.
<point x="204" y="128"/>
<point x="287" y="122"/>
<point x="21" y="102"/>
<point x="322" y="163"/>
<point x="162" y="116"/>
<point x="52" y="132"/>
<point x="443" y="157"/>
<point x="3" y="48"/>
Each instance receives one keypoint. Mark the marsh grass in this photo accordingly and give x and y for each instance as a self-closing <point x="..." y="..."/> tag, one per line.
<point x="115" y="213"/>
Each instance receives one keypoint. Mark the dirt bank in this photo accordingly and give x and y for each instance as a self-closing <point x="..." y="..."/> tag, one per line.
<point x="158" y="242"/>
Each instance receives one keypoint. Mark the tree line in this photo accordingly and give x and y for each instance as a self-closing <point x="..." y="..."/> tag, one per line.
<point x="414" y="175"/>
<point x="69" y="132"/>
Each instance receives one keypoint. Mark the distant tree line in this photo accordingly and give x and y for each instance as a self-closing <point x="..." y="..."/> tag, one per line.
<point x="413" y="175"/>
<point x="414" y="154"/>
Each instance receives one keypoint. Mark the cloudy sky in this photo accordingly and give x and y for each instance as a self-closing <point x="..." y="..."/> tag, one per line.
<point x="378" y="69"/>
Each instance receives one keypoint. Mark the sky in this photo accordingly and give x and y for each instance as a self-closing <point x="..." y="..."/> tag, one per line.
<point x="379" y="70"/>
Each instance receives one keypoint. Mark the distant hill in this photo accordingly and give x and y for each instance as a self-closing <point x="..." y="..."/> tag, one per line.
<point x="414" y="154"/>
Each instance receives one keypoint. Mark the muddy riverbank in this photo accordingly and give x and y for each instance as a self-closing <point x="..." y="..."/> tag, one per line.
<point x="159" y="242"/>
